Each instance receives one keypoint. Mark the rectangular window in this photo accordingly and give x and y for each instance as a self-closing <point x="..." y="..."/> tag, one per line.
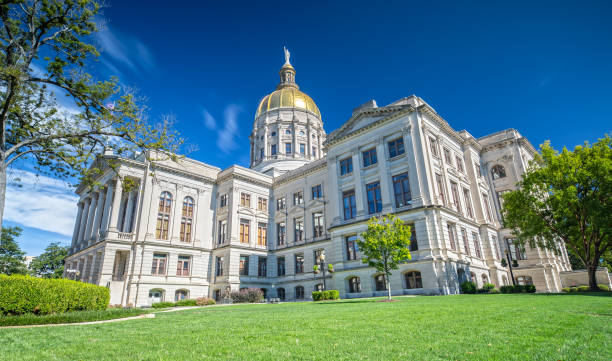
<point x="245" y="230"/>
<point x="350" y="207"/>
<point x="223" y="200"/>
<point x="281" y="203"/>
<point x="318" y="225"/>
<point x="302" y="149"/>
<point x="440" y="184"/>
<point x="451" y="235"/>
<point x="280" y="266"/>
<point x="478" y="171"/>
<point x="396" y="147"/>
<point x="182" y="266"/>
<point x="245" y="200"/>
<point x="455" y="193"/>
<point x="374" y="197"/>
<point x="314" y="151"/>
<point x="261" y="153"/>
<point x="351" y="248"/>
<point x="287" y="148"/>
<point x="273" y="149"/>
<point x="262" y="204"/>
<point x="476" y="244"/>
<point x="222" y="231"/>
<point x="517" y="251"/>
<point x="401" y="190"/>
<point x="280" y="233"/>
<point x="219" y="266"/>
<point x="317" y="192"/>
<point x="487" y="207"/>
<point x="346" y="166"/>
<point x="299" y="263"/>
<point x="468" y="203"/>
<point x="447" y="156"/>
<point x="185" y="231"/>
<point x="163" y="223"/>
<point x="466" y="244"/>
<point x="298" y="229"/>
<point x="459" y="164"/>
<point x="298" y="198"/>
<point x="369" y="157"/>
<point x="262" y="267"/>
<point x="262" y="234"/>
<point x="433" y="145"/>
<point x="243" y="266"/>
<point x="158" y="267"/>
<point x="414" y="244"/>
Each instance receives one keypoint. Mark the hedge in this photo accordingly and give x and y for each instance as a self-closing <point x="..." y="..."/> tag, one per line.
<point x="518" y="289"/>
<point x="42" y="296"/>
<point x="584" y="288"/>
<point x="468" y="287"/>
<point x="186" y="303"/>
<point x="325" y="295"/>
<point x="163" y="304"/>
<point x="247" y="295"/>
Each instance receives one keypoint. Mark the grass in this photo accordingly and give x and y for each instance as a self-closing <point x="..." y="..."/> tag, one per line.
<point x="466" y="327"/>
<point x="69" y="317"/>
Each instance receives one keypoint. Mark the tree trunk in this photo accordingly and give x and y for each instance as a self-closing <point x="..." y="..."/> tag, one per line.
<point x="388" y="289"/>
<point x="2" y="193"/>
<point x="593" y="277"/>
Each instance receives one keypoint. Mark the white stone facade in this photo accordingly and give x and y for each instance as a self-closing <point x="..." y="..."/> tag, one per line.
<point x="263" y="227"/>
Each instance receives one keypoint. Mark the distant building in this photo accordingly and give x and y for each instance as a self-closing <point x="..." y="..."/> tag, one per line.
<point x="195" y="230"/>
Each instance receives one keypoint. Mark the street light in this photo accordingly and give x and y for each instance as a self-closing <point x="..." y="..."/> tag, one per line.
<point x="509" y="258"/>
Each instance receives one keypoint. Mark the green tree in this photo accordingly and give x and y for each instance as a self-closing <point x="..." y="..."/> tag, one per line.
<point x="47" y="47"/>
<point x="566" y="196"/>
<point x="12" y="258"/>
<point x="385" y="245"/>
<point x="50" y="263"/>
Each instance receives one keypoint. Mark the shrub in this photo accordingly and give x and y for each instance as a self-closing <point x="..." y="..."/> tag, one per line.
<point x="468" y="287"/>
<point x="317" y="295"/>
<point x="565" y="289"/>
<point x="573" y="289"/>
<point x="247" y="295"/>
<point x="334" y="294"/>
<point x="163" y="304"/>
<point x="506" y="289"/>
<point x="494" y="291"/>
<point x="325" y="295"/>
<point x="603" y="287"/>
<point x="518" y="289"/>
<point x="488" y="287"/>
<point x="204" y="301"/>
<point x="70" y="317"/>
<point x="186" y="303"/>
<point x="583" y="288"/>
<point x="42" y="296"/>
<point x="210" y="302"/>
<point x="529" y="288"/>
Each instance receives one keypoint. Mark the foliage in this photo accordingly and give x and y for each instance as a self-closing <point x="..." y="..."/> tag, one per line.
<point x="186" y="303"/>
<point x="488" y="286"/>
<point x="504" y="263"/>
<point x="518" y="289"/>
<point x="12" y="258"/>
<point x="247" y="295"/>
<point x="385" y="245"/>
<point x="566" y="196"/>
<point x="50" y="264"/>
<point x="47" y="47"/>
<point x="205" y="301"/>
<point x="565" y="289"/>
<point x="330" y="267"/>
<point x="163" y="304"/>
<point x="70" y="317"/>
<point x="325" y="295"/>
<point x="468" y="287"/>
<point x="26" y="294"/>
<point x="584" y="288"/>
<point x="603" y="287"/>
<point x="494" y="291"/>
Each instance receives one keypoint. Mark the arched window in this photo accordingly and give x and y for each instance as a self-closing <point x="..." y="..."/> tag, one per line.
<point x="163" y="215"/>
<point x="413" y="279"/>
<point x="485" y="279"/>
<point x="156" y="295"/>
<point x="187" y="219"/>
<point x="299" y="293"/>
<point x="524" y="280"/>
<point x="318" y="287"/>
<point x="498" y="171"/>
<point x="381" y="282"/>
<point x="181" y="295"/>
<point x="354" y="285"/>
<point x="280" y="293"/>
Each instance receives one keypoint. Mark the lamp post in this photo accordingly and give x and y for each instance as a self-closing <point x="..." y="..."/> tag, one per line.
<point x="509" y="258"/>
<point x="322" y="259"/>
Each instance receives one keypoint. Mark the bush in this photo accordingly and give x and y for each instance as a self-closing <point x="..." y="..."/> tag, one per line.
<point x="317" y="295"/>
<point x="247" y="295"/>
<point x="506" y="289"/>
<point x="488" y="287"/>
<point x="494" y="291"/>
<point x="163" y="304"/>
<point x="42" y="296"/>
<point x="325" y="295"/>
<point x="565" y="289"/>
<point x="573" y="289"/>
<point x="518" y="289"/>
<point x="529" y="288"/>
<point x="468" y="287"/>
<point x="334" y="294"/>
<point x="186" y="303"/>
<point x="603" y="287"/>
<point x="70" y="317"/>
<point x="583" y="288"/>
<point x="204" y="301"/>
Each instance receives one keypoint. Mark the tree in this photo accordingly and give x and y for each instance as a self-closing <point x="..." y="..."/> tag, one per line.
<point x="566" y="196"/>
<point x="50" y="264"/>
<point x="46" y="48"/>
<point x="385" y="245"/>
<point x="12" y="258"/>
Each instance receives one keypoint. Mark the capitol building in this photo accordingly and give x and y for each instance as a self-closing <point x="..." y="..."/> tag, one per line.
<point x="189" y="229"/>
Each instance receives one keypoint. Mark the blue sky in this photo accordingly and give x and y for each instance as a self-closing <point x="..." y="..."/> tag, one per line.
<point x="544" y="68"/>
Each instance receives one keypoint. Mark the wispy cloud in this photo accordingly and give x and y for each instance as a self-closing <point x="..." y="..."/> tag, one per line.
<point x="227" y="134"/>
<point x="40" y="202"/>
<point x="124" y="51"/>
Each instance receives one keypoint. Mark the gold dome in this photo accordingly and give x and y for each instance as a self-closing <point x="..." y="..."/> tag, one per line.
<point x="288" y="97"/>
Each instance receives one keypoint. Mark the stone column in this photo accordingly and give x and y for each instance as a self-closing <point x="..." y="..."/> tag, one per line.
<point x="114" y="215"/>
<point x="386" y="182"/>
<point x="127" y="224"/>
<point x="176" y="214"/>
<point x="84" y="220"/>
<point x="91" y="216"/>
<point x="77" y="225"/>
<point x="95" y="231"/>
<point x="359" y="187"/>
<point x="107" y="207"/>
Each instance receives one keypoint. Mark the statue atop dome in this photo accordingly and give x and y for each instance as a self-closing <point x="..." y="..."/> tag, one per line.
<point x="287" y="56"/>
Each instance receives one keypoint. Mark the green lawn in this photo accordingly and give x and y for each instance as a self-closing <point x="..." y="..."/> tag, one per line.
<point x="474" y="327"/>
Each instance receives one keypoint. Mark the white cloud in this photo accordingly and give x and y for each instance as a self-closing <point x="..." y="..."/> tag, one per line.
<point x="40" y="202"/>
<point x="124" y="50"/>
<point x="209" y="120"/>
<point x="226" y="137"/>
